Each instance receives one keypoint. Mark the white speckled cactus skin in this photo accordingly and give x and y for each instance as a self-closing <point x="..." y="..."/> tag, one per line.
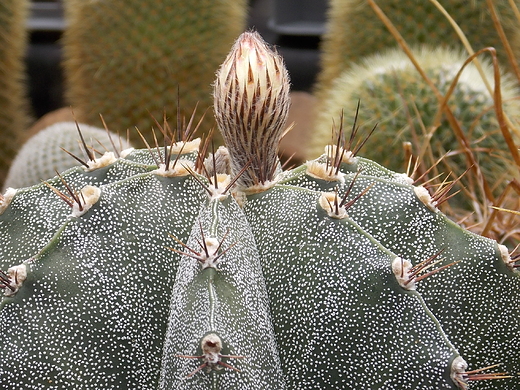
<point x="168" y="282"/>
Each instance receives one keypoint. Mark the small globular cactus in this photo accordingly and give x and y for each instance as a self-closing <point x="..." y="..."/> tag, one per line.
<point x="394" y="96"/>
<point x="42" y="155"/>
<point x="168" y="270"/>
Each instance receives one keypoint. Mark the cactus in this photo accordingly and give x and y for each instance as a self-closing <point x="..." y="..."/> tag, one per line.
<point x="14" y="112"/>
<point x="41" y="156"/>
<point x="354" y="31"/>
<point x="162" y="270"/>
<point x="125" y="60"/>
<point x="394" y="96"/>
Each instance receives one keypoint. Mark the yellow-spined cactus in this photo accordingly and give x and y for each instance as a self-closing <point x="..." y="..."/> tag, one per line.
<point x="126" y="59"/>
<point x="14" y="106"/>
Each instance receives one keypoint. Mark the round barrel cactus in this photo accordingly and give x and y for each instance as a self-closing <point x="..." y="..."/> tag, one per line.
<point x="164" y="269"/>
<point x="15" y="107"/>
<point x="394" y="96"/>
<point x="129" y="59"/>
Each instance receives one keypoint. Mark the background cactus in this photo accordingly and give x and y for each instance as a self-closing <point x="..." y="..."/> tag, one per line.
<point x="125" y="60"/>
<point x="42" y="155"/>
<point x="14" y="113"/>
<point x="393" y="95"/>
<point x="163" y="278"/>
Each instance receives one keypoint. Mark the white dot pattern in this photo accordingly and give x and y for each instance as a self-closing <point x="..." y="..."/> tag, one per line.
<point x="341" y="319"/>
<point x="231" y="302"/>
<point x="93" y="312"/>
<point x="36" y="213"/>
<point x="477" y="301"/>
<point x="104" y="307"/>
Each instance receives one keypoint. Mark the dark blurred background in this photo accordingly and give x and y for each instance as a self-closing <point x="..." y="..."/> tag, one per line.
<point x="293" y="26"/>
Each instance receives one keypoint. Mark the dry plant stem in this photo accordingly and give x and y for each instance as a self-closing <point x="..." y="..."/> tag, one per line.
<point x="449" y="114"/>
<point x="507" y="210"/>
<point x="453" y="84"/>
<point x="503" y="38"/>
<point x="513" y="185"/>
<point x="497" y="98"/>
<point x="424" y="147"/>
<point x="500" y="113"/>
<point x="515" y="9"/>
<point x="404" y="46"/>
<point x="470" y="50"/>
<point x="464" y="41"/>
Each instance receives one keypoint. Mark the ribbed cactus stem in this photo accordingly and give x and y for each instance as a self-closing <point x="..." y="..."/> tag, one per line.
<point x="251" y="107"/>
<point x="167" y="282"/>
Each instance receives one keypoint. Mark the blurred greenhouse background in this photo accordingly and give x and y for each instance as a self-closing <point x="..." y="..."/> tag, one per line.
<point x="294" y="26"/>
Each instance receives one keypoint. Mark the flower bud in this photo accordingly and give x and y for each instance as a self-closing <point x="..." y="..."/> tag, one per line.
<point x="251" y="106"/>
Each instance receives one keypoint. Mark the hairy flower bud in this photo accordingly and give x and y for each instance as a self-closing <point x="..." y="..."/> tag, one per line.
<point x="251" y="107"/>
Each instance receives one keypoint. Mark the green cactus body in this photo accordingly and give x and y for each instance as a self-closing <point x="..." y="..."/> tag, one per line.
<point x="354" y="31"/>
<point x="167" y="279"/>
<point x="126" y="60"/>
<point x="341" y="289"/>
<point x="423" y="231"/>
<point x="123" y="344"/>
<point x="227" y="298"/>
<point x="14" y="115"/>
<point x="334" y="300"/>
<point x="390" y="90"/>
